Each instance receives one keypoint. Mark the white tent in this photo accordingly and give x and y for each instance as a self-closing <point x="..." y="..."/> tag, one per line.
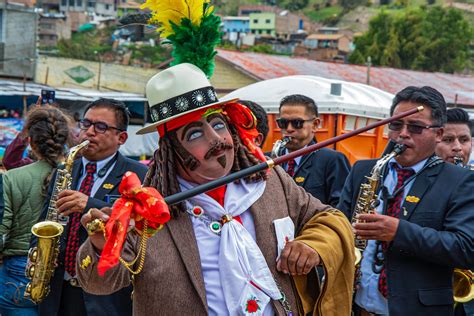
<point x="137" y="145"/>
<point x="331" y="96"/>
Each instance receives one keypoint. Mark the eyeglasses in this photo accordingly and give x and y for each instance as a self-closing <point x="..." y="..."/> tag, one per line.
<point x="99" y="127"/>
<point x="296" y="123"/>
<point x="411" y="128"/>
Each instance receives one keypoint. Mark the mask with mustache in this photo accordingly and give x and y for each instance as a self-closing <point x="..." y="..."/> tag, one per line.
<point x="190" y="162"/>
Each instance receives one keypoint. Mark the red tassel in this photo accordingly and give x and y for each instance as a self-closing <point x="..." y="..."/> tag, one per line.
<point x="138" y="203"/>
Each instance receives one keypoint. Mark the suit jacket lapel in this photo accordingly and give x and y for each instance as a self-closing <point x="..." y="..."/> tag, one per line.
<point x="76" y="173"/>
<point x="304" y="167"/>
<point x="422" y="183"/>
<point x="265" y="238"/>
<point x="113" y="179"/>
<point x="182" y="232"/>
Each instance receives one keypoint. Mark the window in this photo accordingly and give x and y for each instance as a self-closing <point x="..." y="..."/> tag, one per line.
<point x="64" y="3"/>
<point x="71" y="3"/>
<point x="350" y="123"/>
<point x="269" y="31"/>
<point x="253" y="31"/>
<point x="371" y="121"/>
<point x="107" y="7"/>
<point x="255" y="21"/>
<point x="268" y="21"/>
<point x="79" y="3"/>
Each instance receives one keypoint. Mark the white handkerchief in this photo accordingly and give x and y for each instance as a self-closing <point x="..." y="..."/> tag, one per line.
<point x="285" y="232"/>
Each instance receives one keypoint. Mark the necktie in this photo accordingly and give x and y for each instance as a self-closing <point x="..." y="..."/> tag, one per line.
<point x="73" y="236"/>
<point x="291" y="167"/>
<point x="393" y="209"/>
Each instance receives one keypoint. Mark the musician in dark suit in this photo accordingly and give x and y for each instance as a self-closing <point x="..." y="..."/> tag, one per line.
<point x="321" y="173"/>
<point x="424" y="225"/>
<point x="455" y="147"/>
<point x="456" y="143"/>
<point x="95" y="182"/>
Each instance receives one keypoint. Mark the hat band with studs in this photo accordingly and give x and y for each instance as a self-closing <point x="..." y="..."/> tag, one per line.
<point x="183" y="103"/>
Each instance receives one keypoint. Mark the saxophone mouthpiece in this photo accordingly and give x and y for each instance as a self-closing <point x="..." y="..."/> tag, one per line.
<point x="279" y="146"/>
<point x="399" y="149"/>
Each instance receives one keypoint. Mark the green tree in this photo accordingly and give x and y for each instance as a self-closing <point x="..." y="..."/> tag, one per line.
<point x="351" y="4"/>
<point x="434" y="39"/>
<point x="293" y="5"/>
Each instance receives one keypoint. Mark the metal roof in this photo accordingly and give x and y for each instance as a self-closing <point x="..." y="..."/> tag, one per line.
<point x="318" y="36"/>
<point x="16" y="88"/>
<point x="354" y="99"/>
<point x="392" y="80"/>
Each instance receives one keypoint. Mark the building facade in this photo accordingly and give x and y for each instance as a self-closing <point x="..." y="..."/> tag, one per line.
<point x="262" y="24"/>
<point x="18" y="31"/>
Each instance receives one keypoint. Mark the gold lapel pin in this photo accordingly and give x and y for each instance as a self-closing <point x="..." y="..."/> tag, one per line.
<point x="412" y="199"/>
<point x="299" y="179"/>
<point x="108" y="186"/>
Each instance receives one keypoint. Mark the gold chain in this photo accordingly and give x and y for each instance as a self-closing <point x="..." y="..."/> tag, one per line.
<point x="141" y="249"/>
<point x="141" y="253"/>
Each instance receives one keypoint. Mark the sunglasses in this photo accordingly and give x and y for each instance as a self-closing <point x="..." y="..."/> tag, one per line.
<point x="296" y="123"/>
<point x="99" y="127"/>
<point x="411" y="128"/>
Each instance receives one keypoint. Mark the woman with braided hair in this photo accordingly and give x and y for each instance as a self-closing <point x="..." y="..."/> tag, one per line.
<point x="24" y="196"/>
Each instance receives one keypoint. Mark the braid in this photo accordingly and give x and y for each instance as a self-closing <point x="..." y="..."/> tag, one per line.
<point x="48" y="130"/>
<point x="162" y="173"/>
<point x="244" y="159"/>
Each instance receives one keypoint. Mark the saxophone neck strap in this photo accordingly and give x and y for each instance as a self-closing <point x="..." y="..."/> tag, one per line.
<point x="103" y="171"/>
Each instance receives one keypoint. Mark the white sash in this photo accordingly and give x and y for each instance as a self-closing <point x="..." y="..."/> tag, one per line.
<point x="244" y="274"/>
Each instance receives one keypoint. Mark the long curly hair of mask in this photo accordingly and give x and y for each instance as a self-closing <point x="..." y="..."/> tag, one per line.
<point x="48" y="130"/>
<point x="162" y="172"/>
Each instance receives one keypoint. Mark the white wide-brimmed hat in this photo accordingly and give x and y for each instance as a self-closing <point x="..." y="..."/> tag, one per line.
<point x="177" y="91"/>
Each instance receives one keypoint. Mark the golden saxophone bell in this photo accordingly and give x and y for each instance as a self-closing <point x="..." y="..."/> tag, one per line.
<point x="463" y="285"/>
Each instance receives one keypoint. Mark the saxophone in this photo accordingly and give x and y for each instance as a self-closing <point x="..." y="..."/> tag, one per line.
<point x="367" y="200"/>
<point x="463" y="279"/>
<point x="42" y="258"/>
<point x="279" y="145"/>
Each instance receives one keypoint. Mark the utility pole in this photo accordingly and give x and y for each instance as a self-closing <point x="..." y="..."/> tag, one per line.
<point x="368" y="64"/>
<point x="100" y="68"/>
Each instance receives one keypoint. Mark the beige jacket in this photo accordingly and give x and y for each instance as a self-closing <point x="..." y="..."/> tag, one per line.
<point x="171" y="282"/>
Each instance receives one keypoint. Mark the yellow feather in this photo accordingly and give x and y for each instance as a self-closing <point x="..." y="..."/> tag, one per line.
<point x="166" y="11"/>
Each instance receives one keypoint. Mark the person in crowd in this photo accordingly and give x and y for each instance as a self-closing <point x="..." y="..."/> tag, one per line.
<point x="322" y="173"/>
<point x="95" y="180"/>
<point x="218" y="254"/>
<point x="423" y="226"/>
<point x="14" y="153"/>
<point x="262" y="121"/>
<point x="457" y="139"/>
<point x="13" y="157"/>
<point x="456" y="147"/>
<point x="24" y="191"/>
